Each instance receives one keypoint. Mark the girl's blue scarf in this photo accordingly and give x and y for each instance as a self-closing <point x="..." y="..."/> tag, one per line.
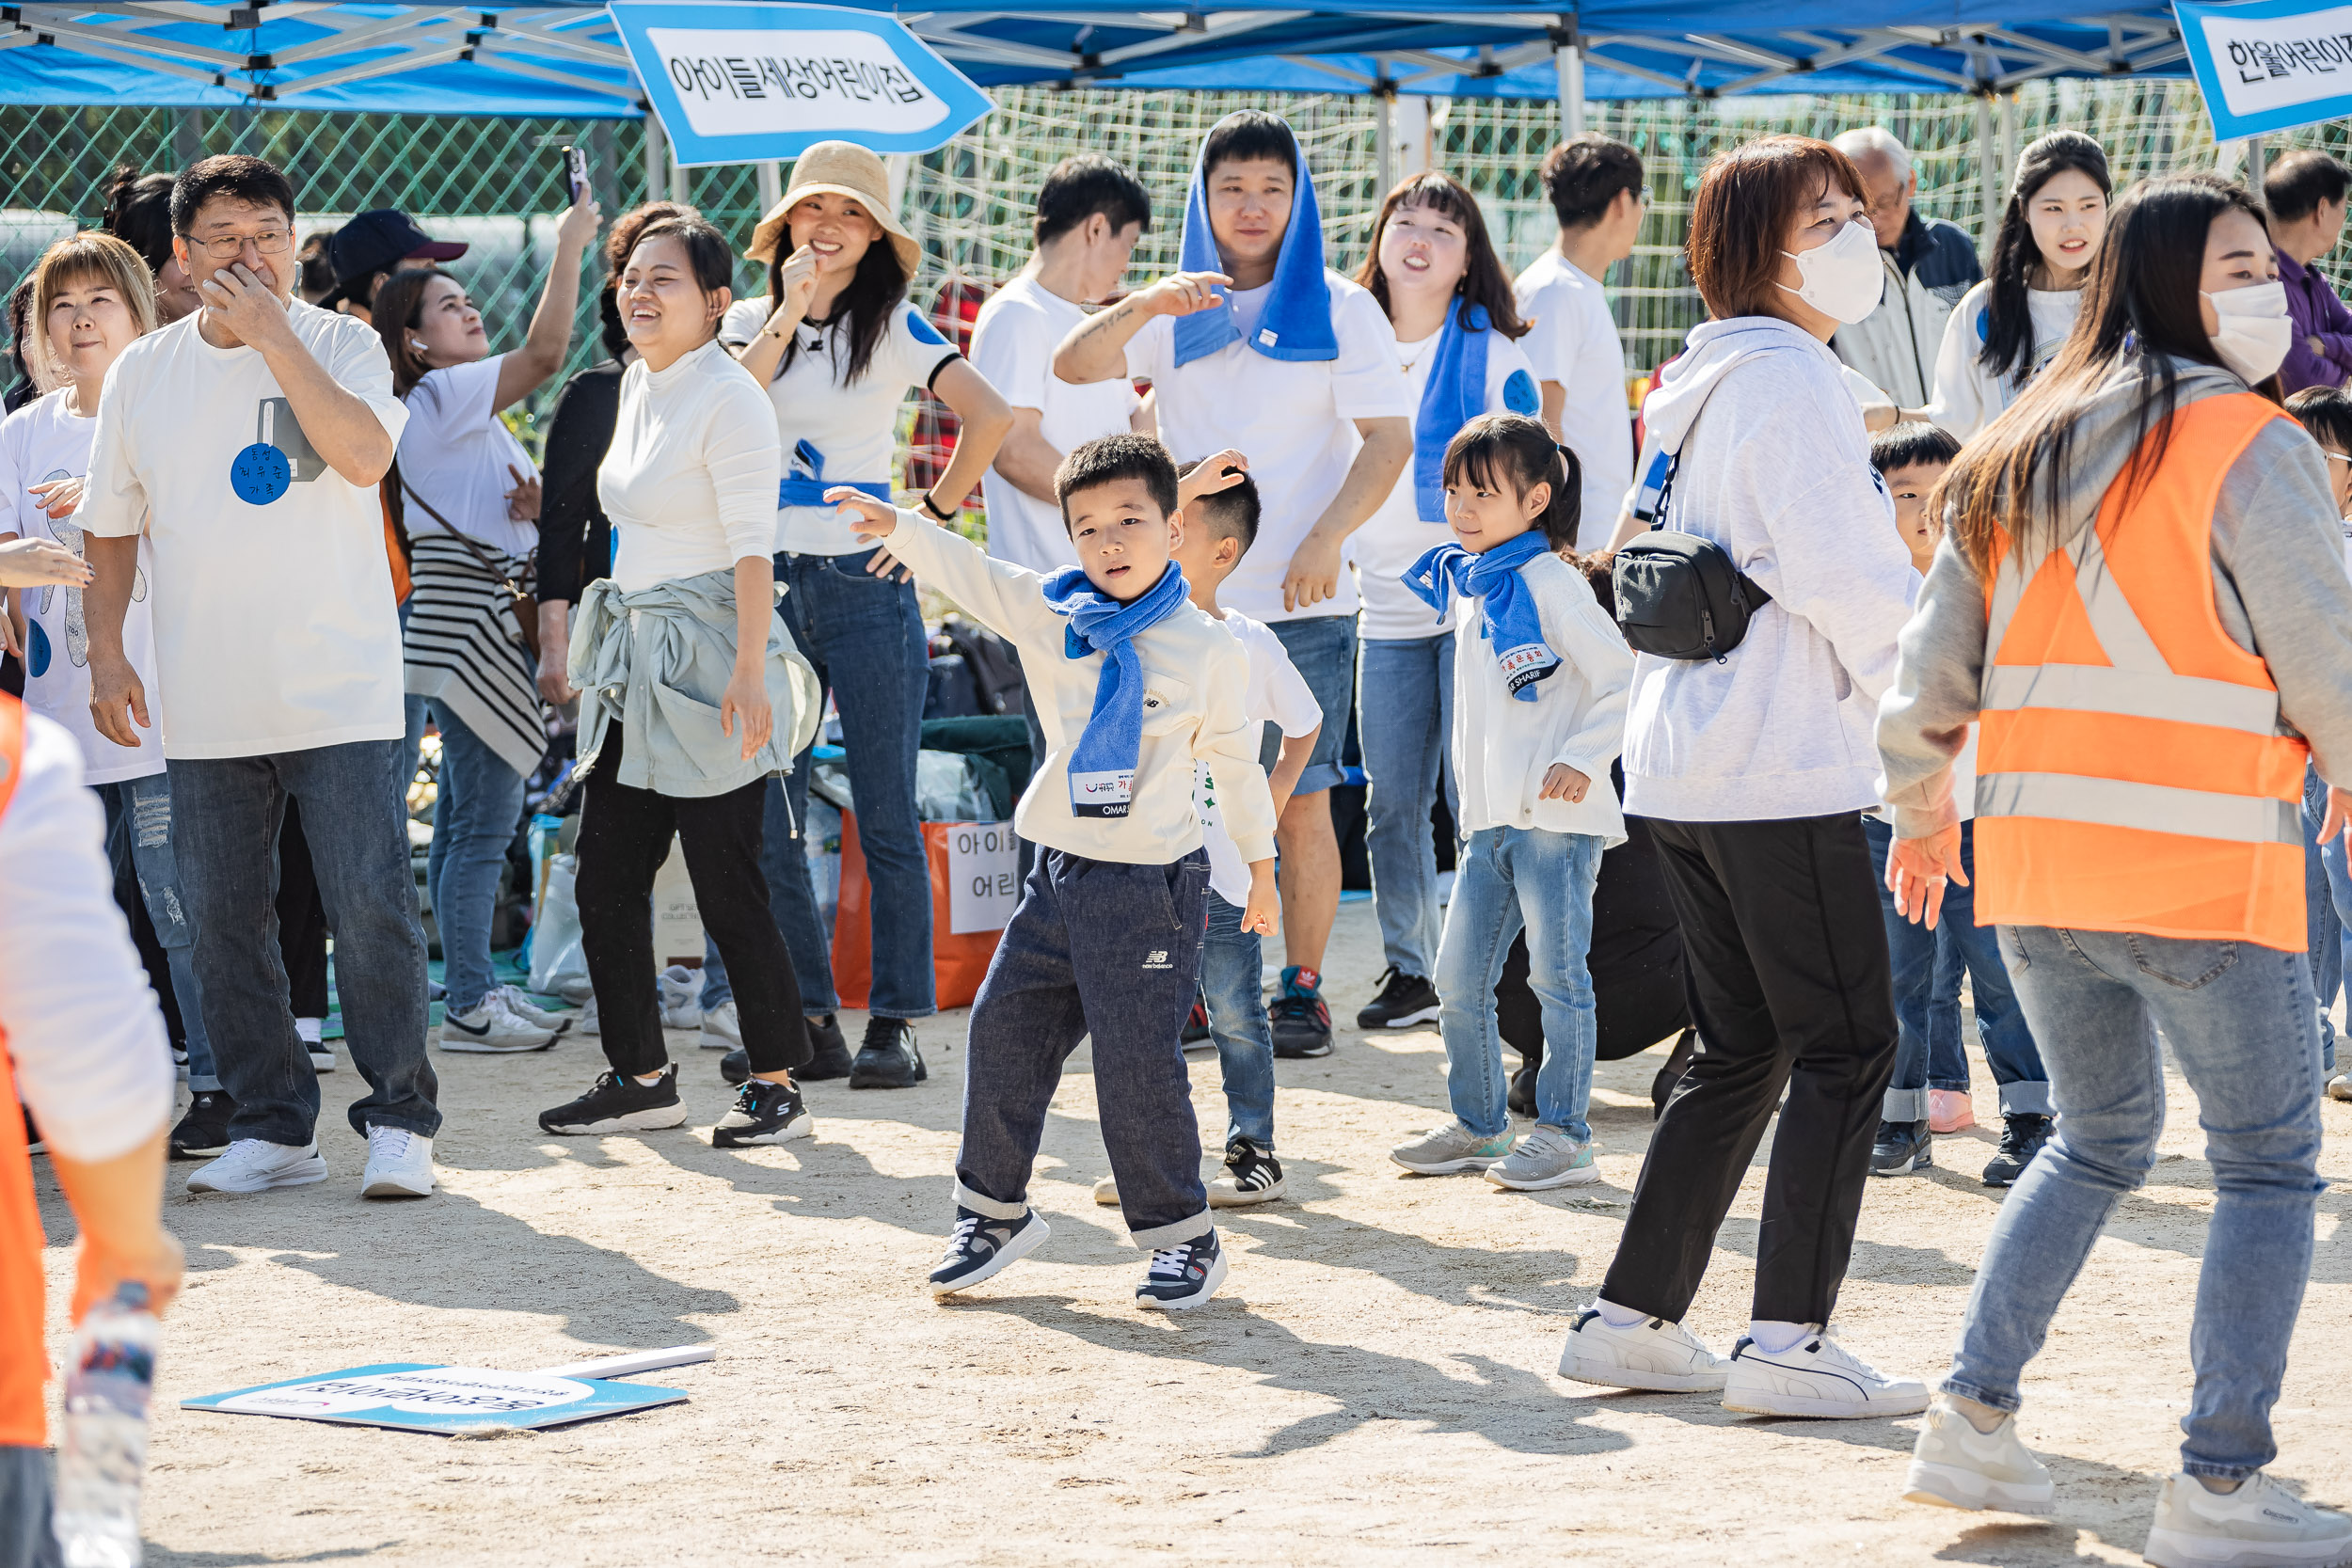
<point x="1512" y="624"/>
<point x="1455" y="395"/>
<point x="1103" y="766"/>
<point x="1297" y="325"/>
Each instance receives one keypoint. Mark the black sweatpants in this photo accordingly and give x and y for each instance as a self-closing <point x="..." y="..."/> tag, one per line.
<point x="1786" y="965"/>
<point x="624" y="837"/>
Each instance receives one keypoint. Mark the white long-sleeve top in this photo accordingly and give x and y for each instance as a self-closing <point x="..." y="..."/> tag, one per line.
<point x="1196" y="683"/>
<point x="1503" y="747"/>
<point x="691" y="478"/>
<point x="82" y="1026"/>
<point x="1968" y="396"/>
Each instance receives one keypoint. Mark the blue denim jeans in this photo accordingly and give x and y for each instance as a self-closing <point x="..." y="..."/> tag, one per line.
<point x="863" y="635"/>
<point x="1323" y="649"/>
<point x="1928" y="966"/>
<point x="1404" y="720"/>
<point x="2239" y="1020"/>
<point x="1111" y="950"/>
<point x="227" y="811"/>
<point x="138" y="828"/>
<point x="2332" y="860"/>
<point x="475" y="816"/>
<point x="2323" y="922"/>
<point x="1233" y="983"/>
<point x="1509" y="878"/>
<point x="28" y="1539"/>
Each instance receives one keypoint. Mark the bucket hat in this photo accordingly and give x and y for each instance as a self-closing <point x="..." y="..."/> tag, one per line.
<point x="837" y="168"/>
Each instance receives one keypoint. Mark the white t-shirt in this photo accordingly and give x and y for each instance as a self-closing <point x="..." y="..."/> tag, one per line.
<point x="1012" y="345"/>
<point x="39" y="442"/>
<point x="836" y="433"/>
<point x="1574" y="341"/>
<point x="275" y="624"/>
<point x="1968" y="396"/>
<point x="1395" y="537"/>
<point x="1295" y="421"/>
<point x="455" y="454"/>
<point x="690" y="478"/>
<point x="1277" y="694"/>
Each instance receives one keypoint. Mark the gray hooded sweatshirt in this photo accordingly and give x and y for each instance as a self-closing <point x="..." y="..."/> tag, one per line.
<point x="2279" y="583"/>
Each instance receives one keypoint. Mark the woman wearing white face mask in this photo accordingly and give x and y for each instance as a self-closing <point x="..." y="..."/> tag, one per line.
<point x="1753" y="770"/>
<point x="2141" y="589"/>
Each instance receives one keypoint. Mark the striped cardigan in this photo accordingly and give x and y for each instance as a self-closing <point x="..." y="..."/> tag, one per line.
<point x="459" y="649"/>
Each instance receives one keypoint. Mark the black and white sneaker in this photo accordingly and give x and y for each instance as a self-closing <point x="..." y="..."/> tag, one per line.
<point x="2021" y="1137"/>
<point x="982" y="1247"/>
<point x="203" y="1132"/>
<point x="764" y="1112"/>
<point x="619" y="1103"/>
<point x="1183" y="1275"/>
<point x="1252" y="1175"/>
<point x="1902" y="1148"/>
<point x="1404" y="1000"/>
<point x="889" y="1059"/>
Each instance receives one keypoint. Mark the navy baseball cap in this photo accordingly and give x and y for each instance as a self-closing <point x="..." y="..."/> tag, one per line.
<point x="379" y="241"/>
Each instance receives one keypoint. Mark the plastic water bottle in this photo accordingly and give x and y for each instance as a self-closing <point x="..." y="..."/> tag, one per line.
<point x="103" y="1457"/>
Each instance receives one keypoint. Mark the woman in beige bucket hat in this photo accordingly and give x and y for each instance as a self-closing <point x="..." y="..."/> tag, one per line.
<point x="837" y="345"/>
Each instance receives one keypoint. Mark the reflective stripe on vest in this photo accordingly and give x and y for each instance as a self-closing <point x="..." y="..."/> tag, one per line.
<point x="24" y="1363"/>
<point x="2133" y="770"/>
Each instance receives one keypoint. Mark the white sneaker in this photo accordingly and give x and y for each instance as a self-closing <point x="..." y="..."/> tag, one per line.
<point x="400" y="1164"/>
<point x="522" y="1006"/>
<point x="2261" y="1525"/>
<point x="1816" y="1376"/>
<point x="1106" y="1192"/>
<point x="681" y="991"/>
<point x="589" y="1022"/>
<point x="1955" y="1466"/>
<point x="489" y="1028"/>
<point x="2339" y="1086"/>
<point x="1653" y="1354"/>
<point x="252" y="1165"/>
<point x="723" y="1029"/>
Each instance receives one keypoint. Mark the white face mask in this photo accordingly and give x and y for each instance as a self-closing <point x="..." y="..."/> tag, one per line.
<point x="2255" y="331"/>
<point x="1844" y="279"/>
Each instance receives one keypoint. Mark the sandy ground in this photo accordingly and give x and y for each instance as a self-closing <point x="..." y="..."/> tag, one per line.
<point x="1375" y="1384"/>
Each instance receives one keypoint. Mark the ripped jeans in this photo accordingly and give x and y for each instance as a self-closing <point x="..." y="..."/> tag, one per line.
<point x="138" y="824"/>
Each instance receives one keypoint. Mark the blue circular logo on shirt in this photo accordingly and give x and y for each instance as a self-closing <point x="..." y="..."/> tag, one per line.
<point x="260" y="474"/>
<point x="1519" y="395"/>
<point x="36" y="649"/>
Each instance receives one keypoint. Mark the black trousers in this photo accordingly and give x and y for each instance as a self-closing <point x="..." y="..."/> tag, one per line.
<point x="301" y="919"/>
<point x="1786" y="971"/>
<point x="624" y="837"/>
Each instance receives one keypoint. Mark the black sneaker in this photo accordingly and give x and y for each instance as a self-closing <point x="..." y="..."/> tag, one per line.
<point x="34" y="1142"/>
<point x="1196" y="1024"/>
<point x="764" y="1112"/>
<point x="1662" y="1087"/>
<point x="2021" y="1137"/>
<point x="832" y="1058"/>
<point x="1902" y="1148"/>
<point x="1183" y="1275"/>
<point x="204" y="1133"/>
<point x="1301" y="1020"/>
<point x="1520" y="1100"/>
<point x="889" y="1059"/>
<point x="1252" y="1175"/>
<point x="1404" y="1000"/>
<point x="982" y="1247"/>
<point x="619" y="1103"/>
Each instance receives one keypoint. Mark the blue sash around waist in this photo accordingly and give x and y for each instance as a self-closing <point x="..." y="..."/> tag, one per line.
<point x="811" y="492"/>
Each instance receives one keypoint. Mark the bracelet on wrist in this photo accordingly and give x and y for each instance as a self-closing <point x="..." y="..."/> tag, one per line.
<point x="932" y="507"/>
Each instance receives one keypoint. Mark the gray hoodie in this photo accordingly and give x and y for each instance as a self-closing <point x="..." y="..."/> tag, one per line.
<point x="2279" y="584"/>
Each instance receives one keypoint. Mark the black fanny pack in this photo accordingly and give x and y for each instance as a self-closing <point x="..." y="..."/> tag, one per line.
<point x="1679" y="596"/>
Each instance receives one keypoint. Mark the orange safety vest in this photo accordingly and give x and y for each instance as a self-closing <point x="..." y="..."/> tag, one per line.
<point x="24" y="1361"/>
<point x="2133" y="770"/>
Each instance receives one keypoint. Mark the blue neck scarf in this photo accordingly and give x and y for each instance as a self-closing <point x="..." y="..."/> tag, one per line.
<point x="1513" y="625"/>
<point x="1103" y="765"/>
<point x="1454" y="394"/>
<point x="1297" y="325"/>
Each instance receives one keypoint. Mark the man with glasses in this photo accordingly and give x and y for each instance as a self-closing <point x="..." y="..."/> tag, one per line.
<point x="1929" y="263"/>
<point x="247" y="440"/>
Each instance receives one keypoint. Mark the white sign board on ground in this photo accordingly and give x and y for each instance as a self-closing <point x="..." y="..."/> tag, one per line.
<point x="983" y="876"/>
<point x="741" y="83"/>
<point x="446" y="1399"/>
<point x="2269" y="65"/>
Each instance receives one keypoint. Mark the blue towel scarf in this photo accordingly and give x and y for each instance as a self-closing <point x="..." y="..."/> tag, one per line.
<point x="1103" y="765"/>
<point x="1512" y="624"/>
<point x="1297" y="325"/>
<point x="1454" y="394"/>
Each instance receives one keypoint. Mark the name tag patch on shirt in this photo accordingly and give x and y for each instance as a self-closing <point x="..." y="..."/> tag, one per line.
<point x="1531" y="661"/>
<point x="260" y="474"/>
<point x="1101" y="793"/>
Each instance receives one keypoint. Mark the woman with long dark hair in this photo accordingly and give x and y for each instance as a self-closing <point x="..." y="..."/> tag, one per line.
<point x="2141" y="589"/>
<point x="2012" y="324"/>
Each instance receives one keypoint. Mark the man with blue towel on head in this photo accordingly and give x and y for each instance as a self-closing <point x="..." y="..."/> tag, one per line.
<point x="1258" y="346"/>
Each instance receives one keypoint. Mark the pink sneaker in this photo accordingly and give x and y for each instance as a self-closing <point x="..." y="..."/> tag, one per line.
<point x="1949" y="1111"/>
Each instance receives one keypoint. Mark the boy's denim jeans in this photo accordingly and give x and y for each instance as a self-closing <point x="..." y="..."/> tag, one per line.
<point x="2242" y="1028"/>
<point x="1404" y="717"/>
<point x="138" y="828"/>
<point x="1111" y="950"/>
<point x="1232" y="983"/>
<point x="1508" y="878"/>
<point x="476" y="817"/>
<point x="227" y="813"/>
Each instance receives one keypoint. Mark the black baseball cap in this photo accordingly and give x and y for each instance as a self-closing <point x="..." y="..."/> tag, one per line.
<point x="379" y="241"/>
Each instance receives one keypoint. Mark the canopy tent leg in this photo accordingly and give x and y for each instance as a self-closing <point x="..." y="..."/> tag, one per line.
<point x="770" y="184"/>
<point x="681" y="186"/>
<point x="657" y="160"/>
<point x="1384" y="130"/>
<point x="2009" y="144"/>
<point x="1988" y="162"/>
<point x="2255" y="164"/>
<point x="1568" y="59"/>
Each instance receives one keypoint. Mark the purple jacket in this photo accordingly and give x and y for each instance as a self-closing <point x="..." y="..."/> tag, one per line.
<point x="2315" y="311"/>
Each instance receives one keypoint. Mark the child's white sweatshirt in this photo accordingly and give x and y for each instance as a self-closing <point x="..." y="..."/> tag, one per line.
<point x="1195" y="680"/>
<point x="1503" y="747"/>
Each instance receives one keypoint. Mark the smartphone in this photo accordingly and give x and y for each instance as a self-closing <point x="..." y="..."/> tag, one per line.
<point x="574" y="164"/>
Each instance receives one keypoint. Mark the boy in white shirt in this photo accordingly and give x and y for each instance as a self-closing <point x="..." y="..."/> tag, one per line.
<point x="1134" y="688"/>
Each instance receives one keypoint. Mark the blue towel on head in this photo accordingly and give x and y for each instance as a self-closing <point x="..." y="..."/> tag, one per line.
<point x="1298" y="321"/>
<point x="1513" y="625"/>
<point x="1455" y="394"/>
<point x="1103" y="765"/>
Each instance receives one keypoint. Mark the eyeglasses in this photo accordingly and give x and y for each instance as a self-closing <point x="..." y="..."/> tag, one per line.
<point x="228" y="247"/>
<point x="2335" y="456"/>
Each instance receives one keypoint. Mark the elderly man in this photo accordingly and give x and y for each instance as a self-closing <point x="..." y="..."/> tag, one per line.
<point x="2304" y="194"/>
<point x="1929" y="263"/>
